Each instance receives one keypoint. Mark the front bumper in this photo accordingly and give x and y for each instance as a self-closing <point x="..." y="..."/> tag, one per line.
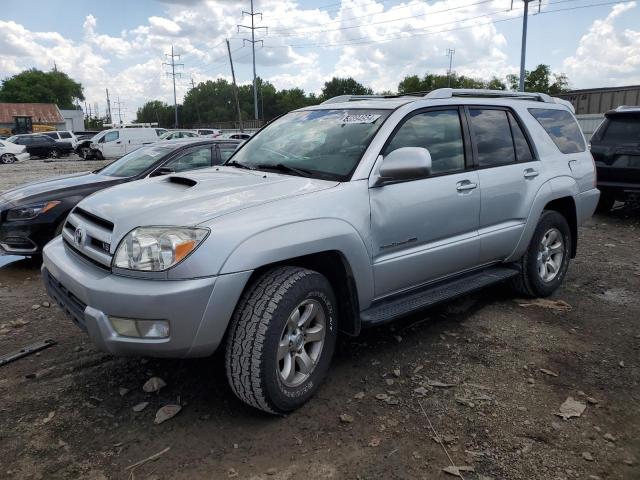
<point x="198" y="310"/>
<point x="24" y="238"/>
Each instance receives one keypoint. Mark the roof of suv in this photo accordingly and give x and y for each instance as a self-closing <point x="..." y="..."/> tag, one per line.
<point x="623" y="110"/>
<point x="391" y="102"/>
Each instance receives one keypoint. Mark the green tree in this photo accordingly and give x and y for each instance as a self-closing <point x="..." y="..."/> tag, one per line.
<point x="343" y="86"/>
<point x="36" y="86"/>
<point x="156" y="111"/>
<point x="431" y="81"/>
<point x="542" y="80"/>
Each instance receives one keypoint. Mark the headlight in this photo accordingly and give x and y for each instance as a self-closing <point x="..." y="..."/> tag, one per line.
<point x="153" y="249"/>
<point x="30" y="211"/>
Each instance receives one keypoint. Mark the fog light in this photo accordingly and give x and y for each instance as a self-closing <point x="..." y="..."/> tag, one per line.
<point x="128" y="327"/>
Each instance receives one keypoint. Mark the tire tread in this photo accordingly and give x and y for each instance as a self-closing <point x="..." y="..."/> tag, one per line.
<point x="243" y="357"/>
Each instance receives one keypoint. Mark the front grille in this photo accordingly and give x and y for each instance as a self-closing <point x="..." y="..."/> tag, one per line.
<point x="84" y="256"/>
<point x="69" y="303"/>
<point x="89" y="236"/>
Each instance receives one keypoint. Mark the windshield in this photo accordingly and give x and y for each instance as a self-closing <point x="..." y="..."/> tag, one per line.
<point x="12" y="139"/>
<point x="316" y="143"/>
<point x="136" y="162"/>
<point x="622" y="130"/>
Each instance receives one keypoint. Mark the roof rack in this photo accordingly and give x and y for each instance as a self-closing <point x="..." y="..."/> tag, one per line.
<point x="355" y="98"/>
<point x="443" y="93"/>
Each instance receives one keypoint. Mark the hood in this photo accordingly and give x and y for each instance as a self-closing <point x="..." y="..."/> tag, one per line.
<point x="191" y="198"/>
<point x="66" y="185"/>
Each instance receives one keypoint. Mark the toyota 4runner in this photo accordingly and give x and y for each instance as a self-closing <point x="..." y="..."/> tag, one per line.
<point x="336" y="217"/>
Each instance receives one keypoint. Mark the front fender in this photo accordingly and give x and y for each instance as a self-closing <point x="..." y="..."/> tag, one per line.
<point x="554" y="189"/>
<point x="306" y="238"/>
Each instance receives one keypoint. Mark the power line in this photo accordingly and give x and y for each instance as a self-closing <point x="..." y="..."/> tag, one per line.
<point x="119" y="108"/>
<point x="253" y="42"/>
<point x="404" y="36"/>
<point x="308" y="32"/>
<point x="450" y="53"/>
<point x="173" y="74"/>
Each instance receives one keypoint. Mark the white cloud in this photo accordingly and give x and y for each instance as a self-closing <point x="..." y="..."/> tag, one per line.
<point x="606" y="54"/>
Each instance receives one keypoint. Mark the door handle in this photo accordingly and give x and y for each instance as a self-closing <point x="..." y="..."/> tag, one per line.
<point x="118" y="142"/>
<point x="531" y="173"/>
<point x="466" y="185"/>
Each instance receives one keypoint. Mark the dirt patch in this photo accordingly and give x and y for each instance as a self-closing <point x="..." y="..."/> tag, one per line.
<point x="33" y="170"/>
<point x="476" y="370"/>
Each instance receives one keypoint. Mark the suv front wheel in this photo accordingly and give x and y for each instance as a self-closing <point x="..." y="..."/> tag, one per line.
<point x="544" y="265"/>
<point x="281" y="339"/>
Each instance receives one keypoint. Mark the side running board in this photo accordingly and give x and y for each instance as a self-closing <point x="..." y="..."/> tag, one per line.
<point x="400" y="305"/>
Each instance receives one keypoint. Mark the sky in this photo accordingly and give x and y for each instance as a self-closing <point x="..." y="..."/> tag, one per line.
<point x="121" y="44"/>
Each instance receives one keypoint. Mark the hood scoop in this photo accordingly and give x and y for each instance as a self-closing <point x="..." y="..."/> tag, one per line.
<point x="187" y="182"/>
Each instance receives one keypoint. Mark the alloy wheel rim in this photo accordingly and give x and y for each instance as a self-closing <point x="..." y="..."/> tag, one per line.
<point x="550" y="255"/>
<point x="301" y="343"/>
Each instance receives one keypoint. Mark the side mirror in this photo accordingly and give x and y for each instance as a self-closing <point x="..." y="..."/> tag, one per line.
<point x="404" y="164"/>
<point x="163" y="171"/>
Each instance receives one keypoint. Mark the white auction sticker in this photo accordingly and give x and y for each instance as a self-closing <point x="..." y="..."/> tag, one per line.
<point x="359" y="118"/>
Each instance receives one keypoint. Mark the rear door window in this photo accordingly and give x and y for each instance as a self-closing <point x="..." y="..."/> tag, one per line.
<point x="562" y="128"/>
<point x="53" y="135"/>
<point x="65" y="135"/>
<point x="492" y="133"/>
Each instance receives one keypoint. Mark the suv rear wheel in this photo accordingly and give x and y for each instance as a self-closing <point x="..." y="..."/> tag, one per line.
<point x="545" y="264"/>
<point x="281" y="339"/>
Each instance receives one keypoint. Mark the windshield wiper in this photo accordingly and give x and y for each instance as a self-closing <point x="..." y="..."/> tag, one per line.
<point x="281" y="167"/>
<point x="238" y="165"/>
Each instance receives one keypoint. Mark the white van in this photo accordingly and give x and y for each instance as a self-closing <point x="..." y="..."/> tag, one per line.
<point x="116" y="142"/>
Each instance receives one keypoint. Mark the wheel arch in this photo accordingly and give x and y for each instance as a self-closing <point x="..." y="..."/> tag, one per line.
<point x="329" y="246"/>
<point x="557" y="194"/>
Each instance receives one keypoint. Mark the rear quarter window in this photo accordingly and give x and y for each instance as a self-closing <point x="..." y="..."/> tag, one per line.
<point x="562" y="127"/>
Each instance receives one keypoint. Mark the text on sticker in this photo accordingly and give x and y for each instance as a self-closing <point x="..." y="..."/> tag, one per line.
<point x="359" y="118"/>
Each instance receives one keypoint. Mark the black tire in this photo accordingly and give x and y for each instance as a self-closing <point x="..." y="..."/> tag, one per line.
<point x="7" y="159"/>
<point x="605" y="204"/>
<point x="530" y="282"/>
<point x="255" y="333"/>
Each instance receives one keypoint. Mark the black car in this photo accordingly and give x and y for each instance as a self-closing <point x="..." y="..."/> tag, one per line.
<point x="33" y="214"/>
<point x="42" y="146"/>
<point x="615" y="147"/>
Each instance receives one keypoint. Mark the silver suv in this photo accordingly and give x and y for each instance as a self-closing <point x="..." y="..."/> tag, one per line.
<point x="336" y="217"/>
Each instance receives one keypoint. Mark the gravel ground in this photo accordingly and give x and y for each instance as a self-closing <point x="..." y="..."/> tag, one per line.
<point x="485" y="375"/>
<point x="32" y="170"/>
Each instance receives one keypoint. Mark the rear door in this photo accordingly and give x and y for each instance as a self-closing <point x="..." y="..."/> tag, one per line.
<point x="510" y="175"/>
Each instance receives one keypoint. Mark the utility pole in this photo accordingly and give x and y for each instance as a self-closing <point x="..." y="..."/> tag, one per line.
<point x="173" y="74"/>
<point x="523" y="53"/>
<point x="119" y="104"/>
<point x="450" y="53"/>
<point x="253" y="42"/>
<point x="235" y="86"/>
<point x="193" y="87"/>
<point x="109" y="119"/>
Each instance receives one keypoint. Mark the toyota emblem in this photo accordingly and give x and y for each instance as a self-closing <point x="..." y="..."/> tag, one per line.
<point x="78" y="236"/>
